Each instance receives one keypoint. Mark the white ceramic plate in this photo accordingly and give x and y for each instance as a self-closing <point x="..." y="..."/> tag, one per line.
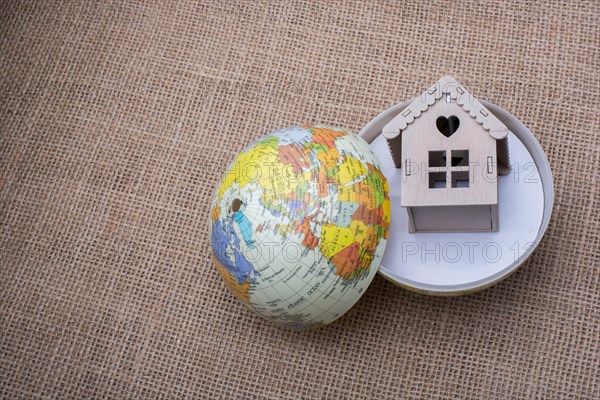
<point x="460" y="263"/>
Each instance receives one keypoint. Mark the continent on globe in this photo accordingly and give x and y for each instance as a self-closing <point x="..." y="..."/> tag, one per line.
<point x="299" y="223"/>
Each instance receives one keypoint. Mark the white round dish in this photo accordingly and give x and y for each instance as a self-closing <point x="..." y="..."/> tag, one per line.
<point x="447" y="264"/>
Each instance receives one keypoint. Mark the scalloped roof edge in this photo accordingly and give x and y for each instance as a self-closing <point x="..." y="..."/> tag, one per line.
<point x="447" y="86"/>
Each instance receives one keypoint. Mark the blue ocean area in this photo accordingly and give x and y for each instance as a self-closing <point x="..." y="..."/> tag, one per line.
<point x="226" y="246"/>
<point x="294" y="205"/>
<point x="245" y="227"/>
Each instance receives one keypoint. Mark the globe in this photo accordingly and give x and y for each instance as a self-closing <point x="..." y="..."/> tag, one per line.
<point x="299" y="224"/>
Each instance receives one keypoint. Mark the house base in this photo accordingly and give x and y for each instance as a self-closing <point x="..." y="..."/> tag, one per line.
<point x="471" y="218"/>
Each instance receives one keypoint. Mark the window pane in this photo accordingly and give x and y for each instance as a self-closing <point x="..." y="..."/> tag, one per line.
<point x="437" y="158"/>
<point x="460" y="158"/>
<point x="437" y="180"/>
<point x="460" y="179"/>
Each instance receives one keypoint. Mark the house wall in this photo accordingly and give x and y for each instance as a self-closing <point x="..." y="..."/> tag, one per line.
<point x="423" y="136"/>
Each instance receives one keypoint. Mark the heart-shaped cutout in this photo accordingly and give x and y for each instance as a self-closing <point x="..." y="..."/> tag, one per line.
<point x="447" y="126"/>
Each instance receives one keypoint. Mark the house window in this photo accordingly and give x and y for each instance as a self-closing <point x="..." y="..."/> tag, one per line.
<point x="457" y="166"/>
<point x="437" y="180"/>
<point x="460" y="179"/>
<point x="437" y="158"/>
<point x="460" y="158"/>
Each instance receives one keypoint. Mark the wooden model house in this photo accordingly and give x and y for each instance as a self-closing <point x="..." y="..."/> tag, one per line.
<point x="451" y="150"/>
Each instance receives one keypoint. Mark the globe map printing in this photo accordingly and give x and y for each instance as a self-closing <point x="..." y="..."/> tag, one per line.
<point x="299" y="223"/>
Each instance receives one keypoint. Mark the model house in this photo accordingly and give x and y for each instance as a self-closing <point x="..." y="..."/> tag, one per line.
<point x="451" y="150"/>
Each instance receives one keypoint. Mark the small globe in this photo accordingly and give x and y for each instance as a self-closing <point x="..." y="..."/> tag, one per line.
<point x="299" y="223"/>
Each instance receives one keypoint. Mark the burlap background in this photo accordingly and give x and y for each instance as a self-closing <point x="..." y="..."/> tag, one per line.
<point x="118" y="118"/>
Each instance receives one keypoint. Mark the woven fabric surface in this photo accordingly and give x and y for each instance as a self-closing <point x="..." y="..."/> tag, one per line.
<point x="118" y="118"/>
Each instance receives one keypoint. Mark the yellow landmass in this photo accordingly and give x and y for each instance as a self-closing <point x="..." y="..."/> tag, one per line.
<point x="351" y="169"/>
<point x="386" y="210"/>
<point x="334" y="238"/>
<point x="280" y="182"/>
<point x="250" y="166"/>
<point x="359" y="230"/>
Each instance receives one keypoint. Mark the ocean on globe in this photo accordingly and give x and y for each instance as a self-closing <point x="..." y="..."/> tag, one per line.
<point x="299" y="223"/>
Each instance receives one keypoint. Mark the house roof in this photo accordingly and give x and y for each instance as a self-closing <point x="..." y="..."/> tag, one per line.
<point x="449" y="87"/>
